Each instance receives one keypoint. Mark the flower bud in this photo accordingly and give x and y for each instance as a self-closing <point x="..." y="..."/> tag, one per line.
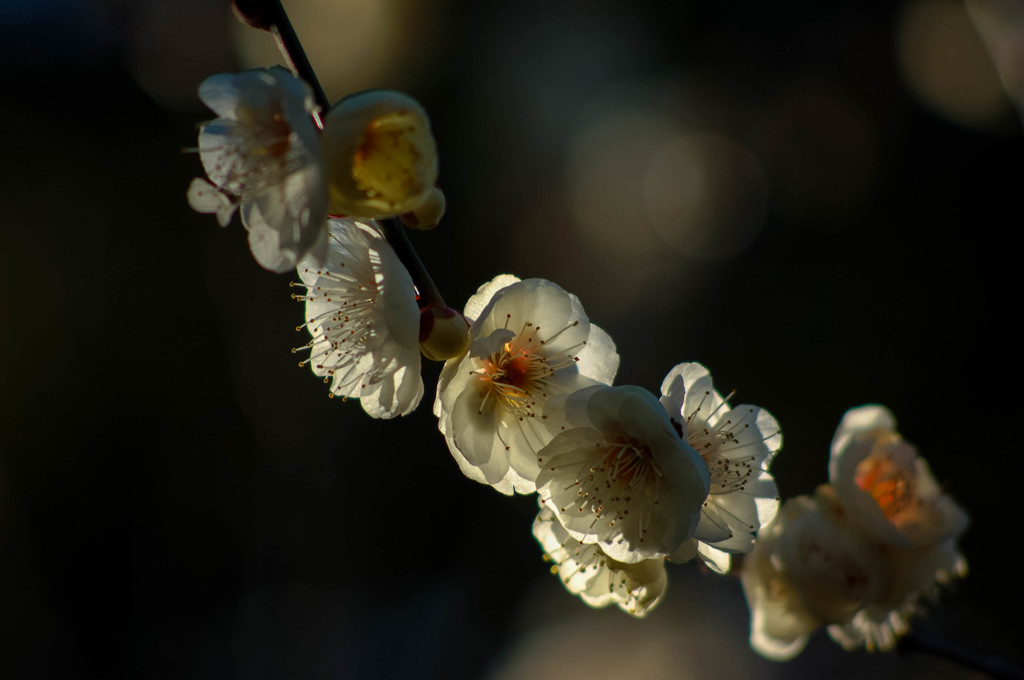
<point x="380" y="155"/>
<point x="444" y="333"/>
<point x="429" y="214"/>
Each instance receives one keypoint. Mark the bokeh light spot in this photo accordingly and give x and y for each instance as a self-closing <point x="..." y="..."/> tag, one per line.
<point x="706" y="196"/>
<point x="946" y="64"/>
<point x="354" y="44"/>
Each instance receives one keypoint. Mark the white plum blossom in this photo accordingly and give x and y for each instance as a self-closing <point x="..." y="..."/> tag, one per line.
<point x="737" y="444"/>
<point x="598" y="579"/>
<point x="885" y="486"/>
<point x="809" y="567"/>
<point x="913" y="574"/>
<point x="618" y="475"/>
<point x="530" y="341"/>
<point x="263" y="154"/>
<point x="888" y="491"/>
<point x="859" y="556"/>
<point x="362" y="315"/>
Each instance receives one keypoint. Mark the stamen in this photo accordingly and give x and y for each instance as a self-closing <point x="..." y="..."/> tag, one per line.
<point x="723" y="404"/>
<point x="572" y="325"/>
<point x="695" y="411"/>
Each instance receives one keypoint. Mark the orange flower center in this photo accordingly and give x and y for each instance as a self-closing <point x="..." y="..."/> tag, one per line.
<point x="888" y="484"/>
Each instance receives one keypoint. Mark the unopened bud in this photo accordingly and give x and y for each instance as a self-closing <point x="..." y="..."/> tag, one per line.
<point x="429" y="214"/>
<point x="380" y="155"/>
<point x="444" y="333"/>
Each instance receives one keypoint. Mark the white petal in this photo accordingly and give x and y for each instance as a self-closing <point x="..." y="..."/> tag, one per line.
<point x="398" y="300"/>
<point x="206" y="198"/>
<point x="685" y="552"/>
<point x="542" y="304"/>
<point x="486" y="345"/>
<point x="864" y="419"/>
<point x="221" y="93"/>
<point x="716" y="560"/>
<point x="688" y="391"/>
<point x="776" y="633"/>
<point x="477" y="302"/>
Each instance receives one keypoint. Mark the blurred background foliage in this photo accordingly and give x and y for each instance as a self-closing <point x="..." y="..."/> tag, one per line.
<point x="818" y="201"/>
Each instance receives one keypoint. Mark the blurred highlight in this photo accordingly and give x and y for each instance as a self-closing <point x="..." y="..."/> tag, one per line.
<point x="698" y="631"/>
<point x="354" y="44"/>
<point x="1001" y="25"/>
<point x="946" y="65"/>
<point x="607" y="161"/>
<point x="706" y="196"/>
<point x="167" y="72"/>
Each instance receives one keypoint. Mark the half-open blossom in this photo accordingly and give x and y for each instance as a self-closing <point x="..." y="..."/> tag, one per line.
<point x="381" y="156"/>
<point x="885" y="487"/>
<point x="810" y="567"/>
<point x="618" y="475"/>
<point x="529" y="341"/>
<point x="737" y="443"/>
<point x="598" y="579"/>
<point x="362" y="315"/>
<point x="262" y="153"/>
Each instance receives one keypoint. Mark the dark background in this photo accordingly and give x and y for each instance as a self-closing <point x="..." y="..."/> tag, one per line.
<point x="178" y="500"/>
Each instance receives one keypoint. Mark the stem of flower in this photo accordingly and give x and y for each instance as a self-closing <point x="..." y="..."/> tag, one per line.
<point x="270" y="15"/>
<point x="394" y="232"/>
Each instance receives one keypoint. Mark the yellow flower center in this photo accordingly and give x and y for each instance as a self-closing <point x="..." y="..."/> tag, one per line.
<point x="518" y="376"/>
<point x="392" y="162"/>
<point x="515" y="376"/>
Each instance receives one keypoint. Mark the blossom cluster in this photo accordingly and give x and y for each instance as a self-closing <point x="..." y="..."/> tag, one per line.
<point x="860" y="554"/>
<point x="311" y="202"/>
<point x="265" y="153"/>
<point x="626" y="480"/>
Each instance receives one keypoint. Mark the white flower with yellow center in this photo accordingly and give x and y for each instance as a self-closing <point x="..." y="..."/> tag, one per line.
<point x="885" y="486"/>
<point x="529" y="341"/>
<point x="618" y="475"/>
<point x="737" y="444"/>
<point x="263" y="153"/>
<point x="598" y="579"/>
<point x="362" y="315"/>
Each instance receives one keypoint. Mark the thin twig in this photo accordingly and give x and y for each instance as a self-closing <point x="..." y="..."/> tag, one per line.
<point x="290" y="47"/>
<point x="271" y="13"/>
<point x="394" y="232"/>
